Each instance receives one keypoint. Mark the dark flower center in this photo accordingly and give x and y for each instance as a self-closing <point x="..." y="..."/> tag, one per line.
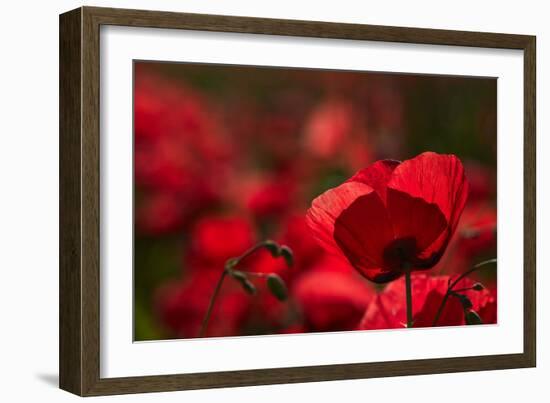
<point x="400" y="253"/>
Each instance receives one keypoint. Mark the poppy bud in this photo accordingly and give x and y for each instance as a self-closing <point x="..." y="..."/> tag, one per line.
<point x="238" y="275"/>
<point x="287" y="254"/>
<point x="248" y="286"/>
<point x="277" y="287"/>
<point x="465" y="301"/>
<point x="478" y="287"/>
<point x="272" y="247"/>
<point x="472" y="318"/>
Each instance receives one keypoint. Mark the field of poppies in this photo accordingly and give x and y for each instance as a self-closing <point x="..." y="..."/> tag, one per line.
<point x="275" y="200"/>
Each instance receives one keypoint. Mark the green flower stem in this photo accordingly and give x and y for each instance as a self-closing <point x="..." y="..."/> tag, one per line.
<point x="463" y="289"/>
<point x="206" y="319"/>
<point x="250" y="251"/>
<point x="408" y="291"/>
<point x="229" y="266"/>
<point x="254" y="274"/>
<point x="440" y="309"/>
<point x="454" y="283"/>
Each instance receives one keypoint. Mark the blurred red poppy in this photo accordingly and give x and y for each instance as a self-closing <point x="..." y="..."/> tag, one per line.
<point x="388" y="309"/>
<point x="392" y="216"/>
<point x="327" y="127"/>
<point x="214" y="239"/>
<point x="475" y="240"/>
<point x="181" y="156"/>
<point x="332" y="300"/>
<point x="478" y="229"/>
<point x="271" y="198"/>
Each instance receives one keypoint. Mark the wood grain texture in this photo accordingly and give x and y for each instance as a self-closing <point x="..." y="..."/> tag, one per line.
<point x="70" y="312"/>
<point x="530" y="203"/>
<point x="80" y="200"/>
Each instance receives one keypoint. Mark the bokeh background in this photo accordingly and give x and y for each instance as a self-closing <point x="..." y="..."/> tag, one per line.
<point x="226" y="156"/>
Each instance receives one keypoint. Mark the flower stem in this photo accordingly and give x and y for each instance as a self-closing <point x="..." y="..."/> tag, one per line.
<point x="440" y="310"/>
<point x="454" y="283"/>
<point x="408" y="292"/>
<point x="206" y="319"/>
<point x="229" y="269"/>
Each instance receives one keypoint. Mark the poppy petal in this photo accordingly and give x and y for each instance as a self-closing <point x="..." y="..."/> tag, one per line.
<point x="332" y="300"/>
<point x="388" y="310"/>
<point x="363" y="230"/>
<point x="379" y="275"/>
<point x="351" y="221"/>
<point x="414" y="219"/>
<point x="327" y="207"/>
<point x="436" y="178"/>
<point x="376" y="175"/>
<point x="440" y="180"/>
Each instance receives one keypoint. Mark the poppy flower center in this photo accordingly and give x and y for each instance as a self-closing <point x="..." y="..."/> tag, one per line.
<point x="399" y="253"/>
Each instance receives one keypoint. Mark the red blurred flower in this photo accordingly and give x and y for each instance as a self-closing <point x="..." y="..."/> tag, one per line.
<point x="478" y="229"/>
<point x="215" y="239"/>
<point x="298" y="237"/>
<point x="475" y="239"/>
<point x="332" y="300"/>
<point x="388" y="309"/>
<point x="271" y="198"/>
<point x="391" y="215"/>
<point x="182" y="306"/>
<point x="336" y="133"/>
<point x="327" y="128"/>
<point x="180" y="150"/>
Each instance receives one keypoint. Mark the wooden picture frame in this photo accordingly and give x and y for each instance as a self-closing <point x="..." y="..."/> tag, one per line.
<point x="80" y="199"/>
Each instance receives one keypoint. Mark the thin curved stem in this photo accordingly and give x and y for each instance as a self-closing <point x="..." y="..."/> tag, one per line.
<point x="229" y="266"/>
<point x="454" y="283"/>
<point x="206" y="319"/>
<point x="468" y="272"/>
<point x="440" y="310"/>
<point x="408" y="292"/>
<point x="249" y="252"/>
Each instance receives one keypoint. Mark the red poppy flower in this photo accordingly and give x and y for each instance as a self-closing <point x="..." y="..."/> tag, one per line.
<point x="388" y="309"/>
<point x="392" y="216"/>
<point x="332" y="300"/>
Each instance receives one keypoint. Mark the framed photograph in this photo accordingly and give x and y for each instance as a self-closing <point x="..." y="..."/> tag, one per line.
<point x="249" y="201"/>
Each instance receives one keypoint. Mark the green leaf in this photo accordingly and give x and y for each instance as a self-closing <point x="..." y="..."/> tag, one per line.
<point x="277" y="287"/>
<point x="287" y="254"/>
<point x="472" y="318"/>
